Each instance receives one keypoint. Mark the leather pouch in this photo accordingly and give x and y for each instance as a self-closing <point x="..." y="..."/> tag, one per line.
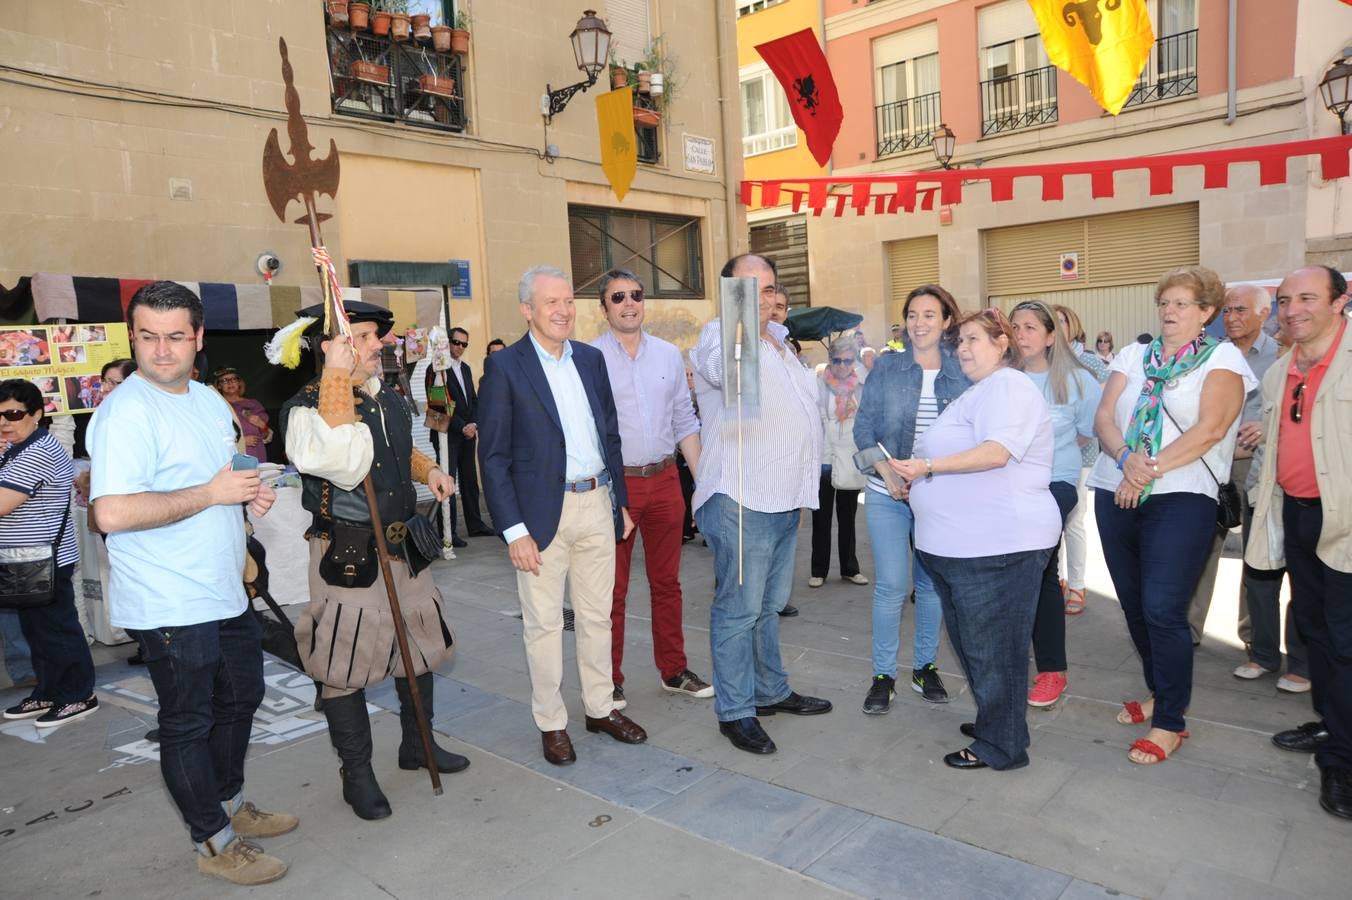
<point x="350" y="561"/>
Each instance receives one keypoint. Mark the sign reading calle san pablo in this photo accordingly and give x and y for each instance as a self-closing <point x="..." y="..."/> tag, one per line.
<point x="699" y="154"/>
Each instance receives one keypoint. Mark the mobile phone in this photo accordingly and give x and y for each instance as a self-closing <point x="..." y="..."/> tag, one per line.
<point x="242" y="462"/>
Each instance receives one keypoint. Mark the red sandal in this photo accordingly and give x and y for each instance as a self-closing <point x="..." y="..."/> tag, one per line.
<point x="1133" y="709"/>
<point x="1155" y="750"/>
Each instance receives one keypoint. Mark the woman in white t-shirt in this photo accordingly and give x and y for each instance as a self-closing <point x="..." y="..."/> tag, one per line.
<point x="1167" y="422"/>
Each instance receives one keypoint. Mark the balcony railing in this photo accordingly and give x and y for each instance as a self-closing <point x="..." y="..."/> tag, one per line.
<point x="395" y="81"/>
<point x="1018" y="101"/>
<point x="906" y="124"/>
<point x="1172" y="71"/>
<point x="648" y="142"/>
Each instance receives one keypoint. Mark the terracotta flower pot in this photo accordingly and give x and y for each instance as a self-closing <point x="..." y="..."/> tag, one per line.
<point x="441" y="39"/>
<point x="359" y="16"/>
<point x="380" y="23"/>
<point x="422" y="26"/>
<point x="372" y="73"/>
<point x="644" y="82"/>
<point x="337" y="12"/>
<point x="618" y="78"/>
<point x="400" y="27"/>
<point x="647" y="117"/>
<point x="460" y="41"/>
<point x="437" y="84"/>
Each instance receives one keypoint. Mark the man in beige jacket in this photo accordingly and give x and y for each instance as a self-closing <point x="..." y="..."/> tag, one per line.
<point x="1303" y="510"/>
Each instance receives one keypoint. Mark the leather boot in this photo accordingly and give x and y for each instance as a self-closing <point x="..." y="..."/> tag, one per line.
<point x="410" y="748"/>
<point x="350" y="732"/>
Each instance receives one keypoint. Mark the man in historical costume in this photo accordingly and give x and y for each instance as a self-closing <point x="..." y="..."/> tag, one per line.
<point x="339" y="427"/>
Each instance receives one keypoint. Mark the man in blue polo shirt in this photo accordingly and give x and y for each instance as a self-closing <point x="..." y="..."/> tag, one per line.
<point x="164" y="491"/>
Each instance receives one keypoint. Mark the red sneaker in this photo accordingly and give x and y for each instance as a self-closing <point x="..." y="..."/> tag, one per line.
<point x="1047" y="689"/>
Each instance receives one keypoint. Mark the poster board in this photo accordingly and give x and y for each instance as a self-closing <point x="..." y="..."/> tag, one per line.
<point x="64" y="361"/>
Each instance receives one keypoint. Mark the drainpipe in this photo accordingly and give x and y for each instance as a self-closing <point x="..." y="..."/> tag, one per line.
<point x="1231" y="33"/>
<point x="729" y="96"/>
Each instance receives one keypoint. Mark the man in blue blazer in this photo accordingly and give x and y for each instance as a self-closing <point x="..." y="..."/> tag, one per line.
<point x="554" y="479"/>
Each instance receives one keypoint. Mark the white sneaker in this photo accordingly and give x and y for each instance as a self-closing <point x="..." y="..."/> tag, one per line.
<point x="1250" y="670"/>
<point x="856" y="578"/>
<point x="1293" y="684"/>
<point x="814" y="581"/>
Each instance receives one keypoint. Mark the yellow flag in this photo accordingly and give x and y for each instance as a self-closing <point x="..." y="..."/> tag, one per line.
<point x="619" y="151"/>
<point x="1103" y="44"/>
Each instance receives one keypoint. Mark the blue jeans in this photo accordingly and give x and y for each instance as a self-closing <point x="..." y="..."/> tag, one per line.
<point x="209" y="678"/>
<point x="989" y="603"/>
<point x="18" y="659"/>
<point x="1155" y="554"/>
<point x="56" y="640"/>
<point x="890" y="528"/>
<point x="1049" y="626"/>
<point x="744" y="619"/>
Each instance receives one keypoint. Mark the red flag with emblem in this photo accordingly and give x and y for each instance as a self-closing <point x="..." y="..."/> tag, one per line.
<point x="800" y="65"/>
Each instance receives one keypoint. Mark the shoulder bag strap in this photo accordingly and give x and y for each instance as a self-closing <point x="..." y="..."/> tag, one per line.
<point x="1201" y="458"/>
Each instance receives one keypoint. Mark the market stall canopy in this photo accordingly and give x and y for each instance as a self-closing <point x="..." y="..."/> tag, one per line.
<point x="817" y="323"/>
<point x="229" y="307"/>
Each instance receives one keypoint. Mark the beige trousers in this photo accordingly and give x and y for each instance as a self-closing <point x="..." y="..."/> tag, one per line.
<point x="581" y="556"/>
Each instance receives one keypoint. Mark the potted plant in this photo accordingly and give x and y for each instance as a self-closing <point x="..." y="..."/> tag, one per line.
<point x="400" y="27"/>
<point x="337" y="10"/>
<point x="441" y="37"/>
<point x="422" y="26"/>
<point x="380" y="17"/>
<point x="661" y="69"/>
<point x="619" y="72"/>
<point x="359" y="15"/>
<point x="460" y="33"/>
<point x="644" y="78"/>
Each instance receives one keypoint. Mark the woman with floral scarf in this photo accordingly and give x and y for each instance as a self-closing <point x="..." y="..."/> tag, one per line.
<point x="839" y="385"/>
<point x="1167" y="422"/>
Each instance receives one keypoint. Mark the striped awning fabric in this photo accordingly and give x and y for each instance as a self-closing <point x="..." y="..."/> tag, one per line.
<point x="229" y="307"/>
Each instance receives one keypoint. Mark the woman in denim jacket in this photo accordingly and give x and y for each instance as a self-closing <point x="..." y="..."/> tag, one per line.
<point x="904" y="394"/>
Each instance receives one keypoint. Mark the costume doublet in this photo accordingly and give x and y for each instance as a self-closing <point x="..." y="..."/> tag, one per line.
<point x="346" y="633"/>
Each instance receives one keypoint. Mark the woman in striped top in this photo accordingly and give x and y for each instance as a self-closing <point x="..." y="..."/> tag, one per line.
<point x="904" y="394"/>
<point x="35" y="480"/>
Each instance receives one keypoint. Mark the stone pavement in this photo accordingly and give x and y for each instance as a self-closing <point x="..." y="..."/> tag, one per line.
<point x="849" y="806"/>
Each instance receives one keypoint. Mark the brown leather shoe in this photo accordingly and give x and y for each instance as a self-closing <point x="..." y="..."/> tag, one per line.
<point x="558" y="748"/>
<point x="619" y="726"/>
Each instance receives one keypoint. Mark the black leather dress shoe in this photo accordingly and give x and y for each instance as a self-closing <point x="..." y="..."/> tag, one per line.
<point x="1335" y="792"/>
<point x="796" y="705"/>
<point x="747" y="734"/>
<point x="789" y="611"/>
<point x="1306" y="738"/>
<point x="458" y="542"/>
<point x="968" y="729"/>
<point x="963" y="759"/>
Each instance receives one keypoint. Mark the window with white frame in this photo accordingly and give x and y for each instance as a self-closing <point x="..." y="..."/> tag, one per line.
<point x="1018" y="85"/>
<point x="906" y="89"/>
<point x="746" y="9"/>
<point x="767" y="123"/>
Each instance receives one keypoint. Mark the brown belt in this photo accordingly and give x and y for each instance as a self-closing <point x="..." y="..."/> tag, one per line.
<point x="650" y="469"/>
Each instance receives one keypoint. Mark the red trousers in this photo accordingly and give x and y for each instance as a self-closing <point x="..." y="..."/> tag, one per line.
<point x="657" y="507"/>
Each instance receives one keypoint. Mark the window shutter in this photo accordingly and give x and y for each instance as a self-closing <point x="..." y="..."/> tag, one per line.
<point x="785" y="242"/>
<point x="1027" y="258"/>
<point x="910" y="263"/>
<point x="1138" y="246"/>
<point x="628" y="24"/>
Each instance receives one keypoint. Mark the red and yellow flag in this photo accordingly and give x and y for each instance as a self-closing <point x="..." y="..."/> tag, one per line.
<point x="1103" y="44"/>
<point x="619" y="150"/>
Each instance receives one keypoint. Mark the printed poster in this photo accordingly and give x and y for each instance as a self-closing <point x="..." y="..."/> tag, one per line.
<point x="64" y="361"/>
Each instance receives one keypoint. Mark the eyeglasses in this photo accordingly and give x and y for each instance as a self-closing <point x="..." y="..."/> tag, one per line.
<point x="1298" y="402"/>
<point x="1176" y="304"/>
<point x="636" y="295"/>
<point x="1234" y="310"/>
<point x="459" y="343"/>
<point x="842" y="360"/>
<point x="14" y="415"/>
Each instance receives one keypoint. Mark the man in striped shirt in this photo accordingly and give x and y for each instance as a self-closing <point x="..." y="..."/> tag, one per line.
<point x="781" y="453"/>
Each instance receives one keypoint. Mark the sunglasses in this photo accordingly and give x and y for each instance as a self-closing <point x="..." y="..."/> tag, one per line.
<point x="842" y="360"/>
<point x="460" y="344"/>
<point x="636" y="295"/>
<point x="15" y="415"/>
<point x="1298" y="404"/>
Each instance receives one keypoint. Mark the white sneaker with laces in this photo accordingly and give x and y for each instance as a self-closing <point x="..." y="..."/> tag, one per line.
<point x="815" y="582"/>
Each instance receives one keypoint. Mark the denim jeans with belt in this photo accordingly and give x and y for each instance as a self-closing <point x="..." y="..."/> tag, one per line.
<point x="744" y="619"/>
<point x="209" y="679"/>
<point x="895" y="569"/>
<point x="989" y="603"/>
<point x="1155" y="554"/>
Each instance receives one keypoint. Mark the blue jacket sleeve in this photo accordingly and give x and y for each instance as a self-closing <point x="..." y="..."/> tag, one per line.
<point x="495" y="448"/>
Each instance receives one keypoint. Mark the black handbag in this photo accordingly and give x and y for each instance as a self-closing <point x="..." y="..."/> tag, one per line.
<point x="28" y="574"/>
<point x="351" y="558"/>
<point x="1229" y="507"/>
<point x="423" y="544"/>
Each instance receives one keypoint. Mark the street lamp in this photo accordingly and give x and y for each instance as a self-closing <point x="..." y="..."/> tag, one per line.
<point x="942" y="142"/>
<point x="591" y="49"/>
<point x="1334" y="89"/>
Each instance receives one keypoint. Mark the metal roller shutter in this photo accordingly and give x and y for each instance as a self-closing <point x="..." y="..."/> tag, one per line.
<point x="910" y="263"/>
<point x="785" y="242"/>
<point x="1027" y="258"/>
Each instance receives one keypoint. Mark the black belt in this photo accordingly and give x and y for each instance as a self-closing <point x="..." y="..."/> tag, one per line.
<point x="1303" y="501"/>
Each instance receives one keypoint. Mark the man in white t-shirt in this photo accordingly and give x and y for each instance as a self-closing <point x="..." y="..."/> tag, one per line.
<point x="165" y="492"/>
